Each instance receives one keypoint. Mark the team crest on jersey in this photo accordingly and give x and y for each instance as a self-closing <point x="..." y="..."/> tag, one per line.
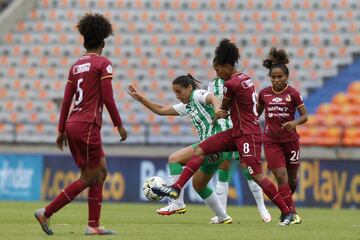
<point x="277" y="99"/>
<point x="288" y="98"/>
<point x="109" y="69"/>
<point x="81" y="68"/>
<point x="247" y="83"/>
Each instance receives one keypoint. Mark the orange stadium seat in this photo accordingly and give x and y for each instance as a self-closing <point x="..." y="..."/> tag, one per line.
<point x="332" y="137"/>
<point x="37" y="55"/>
<point x="354" y="87"/>
<point x="352" y="136"/>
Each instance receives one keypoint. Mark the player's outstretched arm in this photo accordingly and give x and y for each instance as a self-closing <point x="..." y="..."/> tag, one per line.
<point x="152" y="106"/>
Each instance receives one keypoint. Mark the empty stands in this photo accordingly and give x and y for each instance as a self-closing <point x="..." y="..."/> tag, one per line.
<point x="157" y="40"/>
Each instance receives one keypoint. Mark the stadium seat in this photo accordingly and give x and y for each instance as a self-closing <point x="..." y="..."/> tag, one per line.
<point x="160" y="41"/>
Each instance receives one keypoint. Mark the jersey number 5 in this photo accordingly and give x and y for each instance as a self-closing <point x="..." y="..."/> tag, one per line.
<point x="79" y="91"/>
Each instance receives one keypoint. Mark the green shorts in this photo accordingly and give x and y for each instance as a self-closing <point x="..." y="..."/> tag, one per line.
<point x="212" y="162"/>
<point x="231" y="155"/>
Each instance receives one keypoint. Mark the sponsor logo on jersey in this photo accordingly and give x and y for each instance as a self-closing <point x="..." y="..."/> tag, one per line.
<point x="202" y="92"/>
<point x="288" y="98"/>
<point x="247" y="83"/>
<point x="277" y="99"/>
<point x="81" y="68"/>
<point x="109" y="69"/>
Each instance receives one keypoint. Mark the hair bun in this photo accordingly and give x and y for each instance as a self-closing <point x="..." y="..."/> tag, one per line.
<point x="267" y="63"/>
<point x="278" y="56"/>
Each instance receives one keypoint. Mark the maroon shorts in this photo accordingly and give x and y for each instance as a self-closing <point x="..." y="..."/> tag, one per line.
<point x="84" y="141"/>
<point x="282" y="154"/>
<point x="248" y="146"/>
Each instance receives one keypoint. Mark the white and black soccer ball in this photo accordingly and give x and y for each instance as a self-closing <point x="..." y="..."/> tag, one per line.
<point x="150" y="182"/>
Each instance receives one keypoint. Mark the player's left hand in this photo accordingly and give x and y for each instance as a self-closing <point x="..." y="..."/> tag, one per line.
<point x="220" y="113"/>
<point x="134" y="93"/>
<point x="289" y="125"/>
<point x="61" y="141"/>
<point x="122" y="132"/>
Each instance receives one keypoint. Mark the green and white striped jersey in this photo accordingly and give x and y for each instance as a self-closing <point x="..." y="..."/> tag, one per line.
<point x="217" y="87"/>
<point x="200" y="113"/>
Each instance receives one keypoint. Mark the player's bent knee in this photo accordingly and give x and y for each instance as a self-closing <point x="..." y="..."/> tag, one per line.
<point x="172" y="158"/>
<point x="198" y="151"/>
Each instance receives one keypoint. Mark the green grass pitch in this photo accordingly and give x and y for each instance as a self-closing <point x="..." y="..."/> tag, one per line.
<point x="139" y="222"/>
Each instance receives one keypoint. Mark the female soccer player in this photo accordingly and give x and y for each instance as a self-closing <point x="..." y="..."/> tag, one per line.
<point x="90" y="80"/>
<point x="198" y="105"/>
<point x="245" y="136"/>
<point x="281" y="141"/>
<point x="216" y="86"/>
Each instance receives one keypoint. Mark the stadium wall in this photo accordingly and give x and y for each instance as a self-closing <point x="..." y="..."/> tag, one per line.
<point x="322" y="183"/>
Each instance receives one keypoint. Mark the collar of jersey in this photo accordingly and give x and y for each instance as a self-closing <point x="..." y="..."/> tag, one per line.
<point x="280" y="91"/>
<point x="91" y="53"/>
<point x="235" y="74"/>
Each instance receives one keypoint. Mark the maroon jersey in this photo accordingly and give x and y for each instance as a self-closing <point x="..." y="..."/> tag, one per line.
<point x="280" y="107"/>
<point x="241" y="90"/>
<point x="90" y="80"/>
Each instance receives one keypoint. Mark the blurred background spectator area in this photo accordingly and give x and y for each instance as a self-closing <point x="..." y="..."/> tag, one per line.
<point x="155" y="41"/>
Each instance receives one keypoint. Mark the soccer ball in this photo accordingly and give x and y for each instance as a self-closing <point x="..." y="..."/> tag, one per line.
<point x="150" y="182"/>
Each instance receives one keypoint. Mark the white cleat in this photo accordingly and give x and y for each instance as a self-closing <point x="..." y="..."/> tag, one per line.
<point x="215" y="220"/>
<point x="265" y="215"/>
<point x="172" y="208"/>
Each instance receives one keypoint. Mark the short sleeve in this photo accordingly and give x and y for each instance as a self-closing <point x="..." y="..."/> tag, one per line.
<point x="298" y="101"/>
<point x="211" y="87"/>
<point x="180" y="109"/>
<point x="228" y="90"/>
<point x="200" y="96"/>
<point x="70" y="76"/>
<point x="106" y="69"/>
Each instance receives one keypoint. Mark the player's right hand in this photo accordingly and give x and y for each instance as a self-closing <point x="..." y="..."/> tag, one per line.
<point x="220" y="113"/>
<point x="61" y="141"/>
<point x="122" y="133"/>
<point x="134" y="93"/>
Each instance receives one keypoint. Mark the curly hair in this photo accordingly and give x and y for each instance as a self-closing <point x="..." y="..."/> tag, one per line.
<point x="277" y="59"/>
<point x="226" y="53"/>
<point x="94" y="27"/>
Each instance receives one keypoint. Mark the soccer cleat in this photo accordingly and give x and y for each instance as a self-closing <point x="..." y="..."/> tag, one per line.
<point x="215" y="220"/>
<point x="170" y="209"/>
<point x="98" y="231"/>
<point x="265" y="215"/>
<point x="44" y="221"/>
<point x="296" y="219"/>
<point x="166" y="191"/>
<point x="285" y="219"/>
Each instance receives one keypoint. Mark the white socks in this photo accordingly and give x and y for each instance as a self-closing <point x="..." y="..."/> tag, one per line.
<point x="258" y="195"/>
<point x="222" y="189"/>
<point x="179" y="201"/>
<point x="213" y="203"/>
